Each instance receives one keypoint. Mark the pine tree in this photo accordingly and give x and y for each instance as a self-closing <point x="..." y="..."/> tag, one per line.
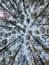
<point x="24" y="32"/>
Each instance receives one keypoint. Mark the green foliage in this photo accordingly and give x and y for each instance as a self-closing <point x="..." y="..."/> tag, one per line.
<point x="34" y="16"/>
<point x="4" y="61"/>
<point x="37" y="32"/>
<point x="47" y="62"/>
<point x="3" y="42"/>
<point x="42" y="29"/>
<point x="28" y="37"/>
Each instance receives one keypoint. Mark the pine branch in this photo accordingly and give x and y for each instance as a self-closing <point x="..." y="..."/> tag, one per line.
<point x="9" y="45"/>
<point x="16" y="53"/>
<point x="12" y="4"/>
<point x="37" y="54"/>
<point x="42" y="45"/>
<point x="32" y="55"/>
<point x="39" y="14"/>
<point x="7" y="10"/>
<point x="6" y="6"/>
<point x="24" y="6"/>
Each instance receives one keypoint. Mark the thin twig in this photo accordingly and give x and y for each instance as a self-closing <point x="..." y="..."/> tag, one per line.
<point x="40" y="24"/>
<point x="5" y="26"/>
<point x="7" y="6"/>
<point x="46" y="34"/>
<point x="12" y="5"/>
<point x="32" y="55"/>
<point x="24" y="7"/>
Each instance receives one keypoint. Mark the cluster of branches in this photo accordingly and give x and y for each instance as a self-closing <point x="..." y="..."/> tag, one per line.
<point x="15" y="17"/>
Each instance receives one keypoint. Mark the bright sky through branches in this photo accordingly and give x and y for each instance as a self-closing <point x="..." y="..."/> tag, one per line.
<point x="2" y="15"/>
